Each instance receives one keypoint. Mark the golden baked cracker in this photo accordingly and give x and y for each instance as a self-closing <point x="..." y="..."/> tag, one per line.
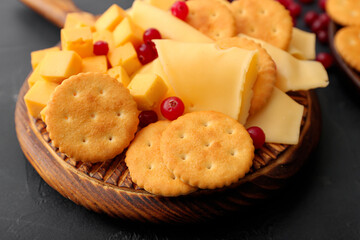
<point x="347" y="43"/>
<point x="211" y="17"/>
<point x="267" y="20"/>
<point x="91" y="117"/>
<point x="146" y="165"/>
<point x="207" y="149"/>
<point x="266" y="76"/>
<point x="344" y="12"/>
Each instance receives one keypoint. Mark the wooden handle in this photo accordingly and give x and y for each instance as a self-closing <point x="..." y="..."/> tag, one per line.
<point x="53" y="10"/>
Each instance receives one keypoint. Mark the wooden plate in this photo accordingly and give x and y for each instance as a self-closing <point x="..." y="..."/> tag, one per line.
<point x="352" y="75"/>
<point x="107" y="187"/>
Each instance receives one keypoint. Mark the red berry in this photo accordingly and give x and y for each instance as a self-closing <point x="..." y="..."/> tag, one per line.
<point x="285" y="3"/>
<point x="294" y="21"/>
<point x="172" y="108"/>
<point x="306" y="1"/>
<point x="146" y="53"/>
<point x="101" y="48"/>
<point x="310" y="17"/>
<point x="180" y="10"/>
<point x="322" y="35"/>
<point x="324" y="19"/>
<point x="325" y="58"/>
<point x="257" y="135"/>
<point x="294" y="9"/>
<point x="147" y="117"/>
<point x="322" y="4"/>
<point x="151" y="34"/>
<point x="317" y="26"/>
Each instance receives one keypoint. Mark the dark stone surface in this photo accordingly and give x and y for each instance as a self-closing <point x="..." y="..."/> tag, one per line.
<point x="322" y="202"/>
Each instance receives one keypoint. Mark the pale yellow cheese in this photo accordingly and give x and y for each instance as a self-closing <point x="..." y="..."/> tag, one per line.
<point x="208" y="78"/>
<point x="147" y="16"/>
<point x="162" y="4"/>
<point x="294" y="74"/>
<point x="280" y="119"/>
<point x="302" y="44"/>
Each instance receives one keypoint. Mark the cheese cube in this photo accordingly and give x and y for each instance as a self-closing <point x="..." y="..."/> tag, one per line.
<point x="57" y="66"/>
<point x="94" y="64"/>
<point x="120" y="74"/>
<point x="126" y="31"/>
<point x="43" y="114"/>
<point x="126" y="57"/>
<point x="80" y="19"/>
<point x="38" y="96"/>
<point x="37" y="56"/>
<point x="104" y="35"/>
<point x="77" y="39"/>
<point x="35" y="76"/>
<point x="110" y="18"/>
<point x="147" y="90"/>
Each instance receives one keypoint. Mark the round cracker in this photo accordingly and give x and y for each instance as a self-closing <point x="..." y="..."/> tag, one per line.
<point x="267" y="20"/>
<point x="207" y="149"/>
<point x="91" y="117"/>
<point x="211" y="17"/>
<point x="347" y="43"/>
<point x="146" y="165"/>
<point x="266" y="76"/>
<point x="344" y="12"/>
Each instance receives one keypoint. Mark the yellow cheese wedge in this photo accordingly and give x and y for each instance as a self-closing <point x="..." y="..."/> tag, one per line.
<point x="127" y="31"/>
<point x="294" y="74"/>
<point x="147" y="16"/>
<point x="208" y="78"/>
<point x="120" y="74"/>
<point x="280" y="119"/>
<point x="162" y="4"/>
<point x="302" y="45"/>
<point x="37" y="56"/>
<point x="94" y="64"/>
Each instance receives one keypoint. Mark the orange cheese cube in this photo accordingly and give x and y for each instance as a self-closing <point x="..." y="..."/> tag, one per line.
<point x="43" y="114"/>
<point x="104" y="35"/>
<point x="94" y="64"/>
<point x="110" y="18"/>
<point x="35" y="76"/>
<point x="120" y="74"/>
<point x="126" y="57"/>
<point x="80" y="19"/>
<point x="77" y="39"/>
<point x="147" y="90"/>
<point x="38" y="96"/>
<point x="37" y="56"/>
<point x="57" y="66"/>
<point x="126" y="31"/>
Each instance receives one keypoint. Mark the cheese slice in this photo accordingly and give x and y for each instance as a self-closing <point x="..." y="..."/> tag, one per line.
<point x="208" y="78"/>
<point x="162" y="4"/>
<point x="280" y="119"/>
<point x="302" y="45"/>
<point x="294" y="74"/>
<point x="147" y="16"/>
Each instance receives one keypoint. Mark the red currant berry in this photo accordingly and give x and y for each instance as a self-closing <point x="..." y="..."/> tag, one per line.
<point x="322" y="4"/>
<point x="172" y="108"/>
<point x="146" y="53"/>
<point x="147" y="117"/>
<point x="324" y="19"/>
<point x="285" y="3"/>
<point x="257" y="135"/>
<point x="310" y="17"/>
<point x="317" y="26"/>
<point x="326" y="59"/>
<point x="101" y="48"/>
<point x="180" y="10"/>
<point x="306" y="1"/>
<point x="293" y="21"/>
<point x="294" y="9"/>
<point x="322" y="35"/>
<point x="151" y="34"/>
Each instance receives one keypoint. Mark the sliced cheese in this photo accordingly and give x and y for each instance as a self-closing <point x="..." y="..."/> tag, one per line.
<point x="147" y="16"/>
<point x="294" y="74"/>
<point x="280" y="119"/>
<point x="208" y="78"/>
<point x="302" y="45"/>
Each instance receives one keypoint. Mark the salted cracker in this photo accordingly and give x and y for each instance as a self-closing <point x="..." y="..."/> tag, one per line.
<point x="344" y="12"/>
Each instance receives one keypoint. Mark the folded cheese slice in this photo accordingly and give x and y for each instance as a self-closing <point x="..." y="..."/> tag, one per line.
<point x="208" y="78"/>
<point x="280" y="119"/>
<point x="294" y="74"/>
<point x="147" y="16"/>
<point x="302" y="45"/>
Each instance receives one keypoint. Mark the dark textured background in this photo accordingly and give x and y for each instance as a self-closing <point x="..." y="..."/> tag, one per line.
<point x="322" y="202"/>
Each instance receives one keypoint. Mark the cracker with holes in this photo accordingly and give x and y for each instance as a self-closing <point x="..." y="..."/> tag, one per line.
<point x="347" y="43"/>
<point x="344" y="12"/>
<point x="91" y="117"/>
<point x="146" y="165"/>
<point x="211" y="17"/>
<point x="266" y="76"/>
<point x="207" y="149"/>
<point x="267" y="20"/>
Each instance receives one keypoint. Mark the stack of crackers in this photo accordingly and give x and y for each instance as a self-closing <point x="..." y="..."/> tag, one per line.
<point x="347" y="39"/>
